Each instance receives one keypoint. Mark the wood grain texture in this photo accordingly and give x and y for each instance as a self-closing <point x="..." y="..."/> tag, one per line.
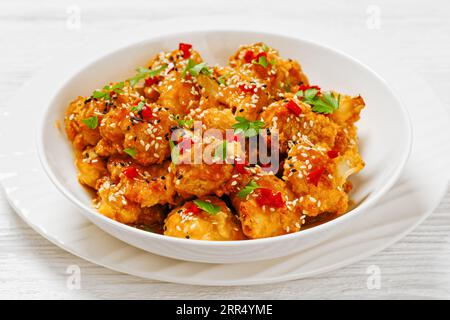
<point x="33" y="32"/>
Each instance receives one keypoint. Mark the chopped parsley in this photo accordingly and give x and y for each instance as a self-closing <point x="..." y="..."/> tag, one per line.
<point x="249" y="128"/>
<point x="221" y="151"/>
<point x="196" y="68"/>
<point x="262" y="60"/>
<point x="91" y="122"/>
<point x="105" y="93"/>
<point x="208" y="207"/>
<point x="143" y="73"/>
<point x="174" y="152"/>
<point x="139" y="107"/>
<point x="325" y="103"/>
<point x="249" y="188"/>
<point x="130" y="151"/>
<point x="222" y="80"/>
<point x="184" y="122"/>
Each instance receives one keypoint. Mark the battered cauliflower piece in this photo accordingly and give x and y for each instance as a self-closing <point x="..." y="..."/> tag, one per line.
<point x="90" y="167"/>
<point x="191" y="222"/>
<point x="292" y="127"/>
<point x="147" y="186"/>
<point x="204" y="178"/>
<point x="318" y="176"/>
<point x="175" y="89"/>
<point x="149" y="139"/>
<point x="243" y="94"/>
<point x="264" y="63"/>
<point x="214" y="118"/>
<point x="268" y="210"/>
<point x="349" y="110"/>
<point x="80" y="112"/>
<point x="112" y="203"/>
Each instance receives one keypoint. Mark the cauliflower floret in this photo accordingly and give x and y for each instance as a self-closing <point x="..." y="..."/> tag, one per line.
<point x="209" y="175"/>
<point x="148" y="139"/>
<point x="191" y="222"/>
<point x="80" y="112"/>
<point x="296" y="127"/>
<point x="174" y="88"/>
<point x="348" y="111"/>
<point x="214" y="118"/>
<point x="267" y="210"/>
<point x="264" y="63"/>
<point x="112" y="203"/>
<point x="319" y="175"/>
<point x="146" y="186"/>
<point x="90" y="167"/>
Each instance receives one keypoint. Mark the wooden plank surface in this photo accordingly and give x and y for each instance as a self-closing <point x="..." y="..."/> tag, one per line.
<point x="418" y="32"/>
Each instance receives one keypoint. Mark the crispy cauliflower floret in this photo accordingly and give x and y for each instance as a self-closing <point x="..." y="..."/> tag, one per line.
<point x="348" y="111"/>
<point x="112" y="203"/>
<point x="215" y="118"/>
<point x="149" y="139"/>
<point x="191" y="222"/>
<point x="80" y="112"/>
<point x="210" y="174"/>
<point x="267" y="211"/>
<point x="90" y="167"/>
<point x="318" y="176"/>
<point x="174" y="88"/>
<point x="264" y="63"/>
<point x="147" y="186"/>
<point x="297" y="127"/>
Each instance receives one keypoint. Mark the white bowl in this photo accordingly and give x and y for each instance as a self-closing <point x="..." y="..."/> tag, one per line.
<point x="384" y="131"/>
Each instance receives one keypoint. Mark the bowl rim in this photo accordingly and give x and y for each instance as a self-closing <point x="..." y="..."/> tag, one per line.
<point x="91" y="213"/>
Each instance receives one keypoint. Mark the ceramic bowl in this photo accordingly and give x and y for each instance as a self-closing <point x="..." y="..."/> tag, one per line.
<point x="384" y="131"/>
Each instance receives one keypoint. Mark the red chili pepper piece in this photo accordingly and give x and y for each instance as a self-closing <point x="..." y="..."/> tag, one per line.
<point x="147" y="113"/>
<point x="293" y="107"/>
<point x="151" y="81"/>
<point x="315" y="174"/>
<point x="130" y="172"/>
<point x="247" y="88"/>
<point x="233" y="138"/>
<point x="261" y="54"/>
<point x="303" y="87"/>
<point x="192" y="208"/>
<point x="240" y="166"/>
<point x="186" y="49"/>
<point x="333" y="154"/>
<point x="267" y="197"/>
<point x="185" y="144"/>
<point x="249" y="56"/>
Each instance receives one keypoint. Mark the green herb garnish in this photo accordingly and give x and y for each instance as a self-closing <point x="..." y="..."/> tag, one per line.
<point x="184" y="122"/>
<point x="249" y="128"/>
<point x="105" y="93"/>
<point x="222" y="149"/>
<point x="195" y="69"/>
<point x="326" y="103"/>
<point x="262" y="60"/>
<point x="91" y="122"/>
<point x="174" y="152"/>
<point x="143" y="73"/>
<point x="222" y="80"/>
<point x="139" y="107"/>
<point x="208" y="207"/>
<point x="249" y="188"/>
<point x="130" y="151"/>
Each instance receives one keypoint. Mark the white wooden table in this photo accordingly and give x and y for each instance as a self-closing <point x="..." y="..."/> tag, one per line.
<point x="32" y="32"/>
